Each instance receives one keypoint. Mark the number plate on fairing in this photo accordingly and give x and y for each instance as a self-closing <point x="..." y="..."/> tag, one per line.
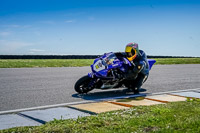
<point x="98" y="66"/>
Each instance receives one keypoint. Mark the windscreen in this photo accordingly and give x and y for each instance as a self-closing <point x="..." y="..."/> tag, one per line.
<point x="108" y="60"/>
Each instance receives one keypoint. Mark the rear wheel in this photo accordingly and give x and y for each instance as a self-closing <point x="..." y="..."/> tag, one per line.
<point x="83" y="85"/>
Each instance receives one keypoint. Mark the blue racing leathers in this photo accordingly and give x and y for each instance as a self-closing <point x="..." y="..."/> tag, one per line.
<point x="138" y="71"/>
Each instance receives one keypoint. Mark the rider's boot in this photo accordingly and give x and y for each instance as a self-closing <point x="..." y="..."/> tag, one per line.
<point x="138" y="83"/>
<point x="136" y="90"/>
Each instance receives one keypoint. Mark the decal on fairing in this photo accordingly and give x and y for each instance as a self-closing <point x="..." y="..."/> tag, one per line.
<point x="98" y="66"/>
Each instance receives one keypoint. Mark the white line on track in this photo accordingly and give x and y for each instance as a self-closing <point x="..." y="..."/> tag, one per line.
<point x="89" y="101"/>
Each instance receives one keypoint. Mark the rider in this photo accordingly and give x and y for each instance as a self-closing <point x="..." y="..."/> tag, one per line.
<point x="139" y="69"/>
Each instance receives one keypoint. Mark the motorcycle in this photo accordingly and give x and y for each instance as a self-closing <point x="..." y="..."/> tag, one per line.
<point x="108" y="71"/>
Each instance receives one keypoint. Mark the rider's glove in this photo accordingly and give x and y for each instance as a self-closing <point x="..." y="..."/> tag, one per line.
<point x="139" y="66"/>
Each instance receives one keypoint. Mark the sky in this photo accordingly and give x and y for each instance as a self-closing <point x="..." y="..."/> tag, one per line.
<point x="94" y="27"/>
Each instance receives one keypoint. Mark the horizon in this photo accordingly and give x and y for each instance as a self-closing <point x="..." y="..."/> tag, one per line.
<point x="148" y="56"/>
<point x="94" y="27"/>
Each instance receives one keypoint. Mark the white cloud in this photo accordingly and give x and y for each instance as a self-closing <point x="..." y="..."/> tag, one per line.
<point x="5" y="33"/>
<point x="74" y="14"/>
<point x="37" y="33"/>
<point x="47" y="22"/>
<point x="13" y="26"/>
<point x="12" y="47"/>
<point x="41" y="52"/>
<point x="70" y="21"/>
<point x="16" y="26"/>
<point x="36" y="50"/>
<point x="91" y="18"/>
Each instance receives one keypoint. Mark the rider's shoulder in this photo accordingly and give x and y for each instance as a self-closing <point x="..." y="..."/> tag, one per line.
<point x="142" y="53"/>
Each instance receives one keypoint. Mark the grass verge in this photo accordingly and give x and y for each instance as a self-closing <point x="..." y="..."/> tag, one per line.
<point x="172" y="117"/>
<point x="19" y="63"/>
<point x="163" y="61"/>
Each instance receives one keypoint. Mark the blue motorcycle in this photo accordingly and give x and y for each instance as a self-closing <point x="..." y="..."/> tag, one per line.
<point x="108" y="71"/>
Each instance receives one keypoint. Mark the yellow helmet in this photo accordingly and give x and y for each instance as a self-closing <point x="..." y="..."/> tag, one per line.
<point x="131" y="51"/>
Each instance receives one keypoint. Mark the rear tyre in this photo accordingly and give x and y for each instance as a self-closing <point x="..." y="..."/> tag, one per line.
<point x="82" y="85"/>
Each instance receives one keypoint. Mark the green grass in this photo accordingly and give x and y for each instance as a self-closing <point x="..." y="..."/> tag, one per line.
<point x="165" y="118"/>
<point x="163" y="61"/>
<point x="18" y="63"/>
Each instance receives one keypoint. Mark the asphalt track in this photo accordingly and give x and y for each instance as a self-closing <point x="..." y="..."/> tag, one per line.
<point x="32" y="87"/>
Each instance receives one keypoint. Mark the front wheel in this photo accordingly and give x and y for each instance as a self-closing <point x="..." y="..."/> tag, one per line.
<point x="83" y="85"/>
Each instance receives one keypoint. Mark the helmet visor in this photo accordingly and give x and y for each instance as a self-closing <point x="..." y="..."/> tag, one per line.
<point x="128" y="54"/>
<point x="131" y="55"/>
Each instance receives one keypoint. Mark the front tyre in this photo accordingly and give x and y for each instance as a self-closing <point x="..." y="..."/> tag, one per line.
<point x="83" y="85"/>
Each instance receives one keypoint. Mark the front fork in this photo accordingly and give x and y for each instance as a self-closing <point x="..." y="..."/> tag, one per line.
<point x="95" y="82"/>
<point x="91" y="75"/>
